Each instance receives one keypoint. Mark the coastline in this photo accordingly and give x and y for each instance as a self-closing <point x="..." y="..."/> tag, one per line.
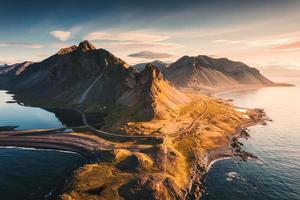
<point x="228" y="152"/>
<point x="258" y="117"/>
<point x="246" y="88"/>
<point x="217" y="91"/>
<point x="61" y="143"/>
<point x="216" y="160"/>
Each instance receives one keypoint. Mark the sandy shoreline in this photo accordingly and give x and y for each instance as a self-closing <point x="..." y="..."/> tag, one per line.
<point x="84" y="144"/>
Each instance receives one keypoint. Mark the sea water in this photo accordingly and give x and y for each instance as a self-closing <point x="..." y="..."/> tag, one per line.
<point x="276" y="176"/>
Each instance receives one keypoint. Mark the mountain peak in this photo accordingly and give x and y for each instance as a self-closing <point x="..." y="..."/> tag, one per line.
<point x="86" y="46"/>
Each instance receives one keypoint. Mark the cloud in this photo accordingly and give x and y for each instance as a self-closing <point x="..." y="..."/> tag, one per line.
<point x="136" y="40"/>
<point x="289" y="47"/>
<point x="61" y="35"/>
<point x="254" y="43"/>
<point x="150" y="55"/>
<point x="126" y="37"/>
<point x="151" y="46"/>
<point x="21" y="45"/>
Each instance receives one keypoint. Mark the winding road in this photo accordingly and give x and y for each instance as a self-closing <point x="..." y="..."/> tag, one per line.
<point x="85" y="122"/>
<point x="178" y="134"/>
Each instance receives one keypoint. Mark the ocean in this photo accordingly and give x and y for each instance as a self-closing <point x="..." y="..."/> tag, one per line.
<point x="277" y="174"/>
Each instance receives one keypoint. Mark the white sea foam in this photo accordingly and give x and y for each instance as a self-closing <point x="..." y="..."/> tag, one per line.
<point x="214" y="161"/>
<point x="231" y="176"/>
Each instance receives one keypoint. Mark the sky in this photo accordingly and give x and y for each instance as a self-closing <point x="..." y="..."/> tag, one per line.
<point x="257" y="32"/>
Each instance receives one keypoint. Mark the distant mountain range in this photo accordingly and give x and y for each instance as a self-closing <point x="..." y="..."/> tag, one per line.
<point x="206" y="72"/>
<point x="159" y="64"/>
<point x="15" y="68"/>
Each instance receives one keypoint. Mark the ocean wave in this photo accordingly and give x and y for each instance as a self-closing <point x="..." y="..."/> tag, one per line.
<point x="234" y="175"/>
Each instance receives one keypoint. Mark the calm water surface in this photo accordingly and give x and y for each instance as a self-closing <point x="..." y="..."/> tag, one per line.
<point x="13" y="114"/>
<point x="277" y="145"/>
<point x="28" y="174"/>
<point x="33" y="174"/>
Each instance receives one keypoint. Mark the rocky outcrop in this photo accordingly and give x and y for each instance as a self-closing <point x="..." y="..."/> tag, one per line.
<point x="86" y="46"/>
<point x="204" y="71"/>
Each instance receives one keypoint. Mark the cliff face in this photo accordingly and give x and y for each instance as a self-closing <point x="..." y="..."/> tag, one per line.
<point x="150" y="92"/>
<point x="204" y="71"/>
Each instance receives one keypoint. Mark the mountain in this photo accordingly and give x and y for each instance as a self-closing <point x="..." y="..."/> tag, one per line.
<point x="83" y="75"/>
<point x="206" y="72"/>
<point x="161" y="65"/>
<point x="8" y="73"/>
<point x="72" y="76"/>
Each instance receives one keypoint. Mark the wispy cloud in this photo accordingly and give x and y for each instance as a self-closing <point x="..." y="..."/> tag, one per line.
<point x="21" y="45"/>
<point x="289" y="47"/>
<point x="254" y="43"/>
<point x="141" y="46"/>
<point x="61" y="35"/>
<point x="126" y="37"/>
<point x="150" y="55"/>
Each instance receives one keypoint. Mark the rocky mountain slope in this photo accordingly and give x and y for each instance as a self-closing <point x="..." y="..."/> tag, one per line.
<point x="161" y="65"/>
<point x="206" y="72"/>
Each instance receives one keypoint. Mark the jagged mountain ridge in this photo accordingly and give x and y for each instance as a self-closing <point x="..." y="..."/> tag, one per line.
<point x="84" y="75"/>
<point x="204" y="71"/>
